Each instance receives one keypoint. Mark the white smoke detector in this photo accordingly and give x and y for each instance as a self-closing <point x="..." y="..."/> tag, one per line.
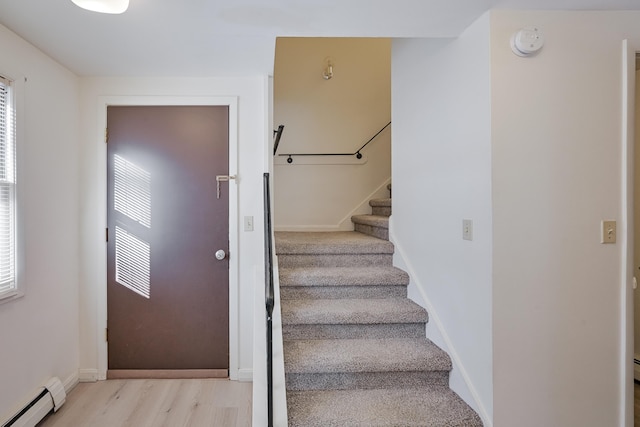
<point x="527" y="41"/>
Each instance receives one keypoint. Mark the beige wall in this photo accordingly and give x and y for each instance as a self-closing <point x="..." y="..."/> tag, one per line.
<point x="39" y="332"/>
<point x="330" y="116"/>
<point x="557" y="172"/>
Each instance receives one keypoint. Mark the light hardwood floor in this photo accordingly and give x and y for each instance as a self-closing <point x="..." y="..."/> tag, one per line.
<point x="155" y="403"/>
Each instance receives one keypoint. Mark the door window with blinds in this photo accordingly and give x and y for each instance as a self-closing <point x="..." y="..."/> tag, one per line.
<point x="8" y="284"/>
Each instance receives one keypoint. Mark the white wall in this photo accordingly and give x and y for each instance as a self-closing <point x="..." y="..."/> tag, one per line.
<point x="442" y="175"/>
<point x="253" y="137"/>
<point x="330" y="116"/>
<point x="636" y="220"/>
<point x="557" y="166"/>
<point x="39" y="332"/>
<point x="556" y="172"/>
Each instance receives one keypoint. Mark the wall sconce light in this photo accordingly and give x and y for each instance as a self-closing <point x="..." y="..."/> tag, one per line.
<point x="103" y="6"/>
<point x="527" y="41"/>
<point x="328" y="69"/>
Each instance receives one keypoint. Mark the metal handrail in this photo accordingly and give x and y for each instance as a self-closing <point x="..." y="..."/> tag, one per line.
<point x="277" y="134"/>
<point x="269" y="295"/>
<point x="357" y="153"/>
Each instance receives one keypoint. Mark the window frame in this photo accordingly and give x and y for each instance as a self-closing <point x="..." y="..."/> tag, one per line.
<point x="14" y="290"/>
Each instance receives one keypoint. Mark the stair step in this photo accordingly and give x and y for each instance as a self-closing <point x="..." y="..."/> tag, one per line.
<point x="390" y="310"/>
<point x="334" y="242"/>
<point x="343" y="282"/>
<point x="428" y="407"/>
<point x="334" y="260"/>
<point x="372" y="220"/>
<point x="343" y="276"/>
<point x="381" y="207"/>
<point x="343" y="291"/>
<point x="364" y="364"/>
<point x="372" y="225"/>
<point x="385" y="202"/>
<point x="352" y="318"/>
<point x="364" y="355"/>
<point x="331" y="249"/>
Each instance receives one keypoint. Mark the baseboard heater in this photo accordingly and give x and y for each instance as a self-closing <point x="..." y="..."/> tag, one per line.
<point x="52" y="397"/>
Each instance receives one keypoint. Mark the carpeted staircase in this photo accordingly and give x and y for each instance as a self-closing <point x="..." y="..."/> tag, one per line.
<point x="354" y="345"/>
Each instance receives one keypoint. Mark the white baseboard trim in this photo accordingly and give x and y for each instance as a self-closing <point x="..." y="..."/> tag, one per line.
<point x="435" y="319"/>
<point x="91" y="376"/>
<point x="88" y="375"/>
<point x="245" y="375"/>
<point x="70" y="382"/>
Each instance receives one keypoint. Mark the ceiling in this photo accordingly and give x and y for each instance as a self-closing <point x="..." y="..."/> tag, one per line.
<point x="235" y="37"/>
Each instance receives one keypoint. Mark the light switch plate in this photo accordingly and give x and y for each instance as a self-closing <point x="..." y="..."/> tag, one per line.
<point x="248" y="223"/>
<point x="608" y="232"/>
<point x="467" y="229"/>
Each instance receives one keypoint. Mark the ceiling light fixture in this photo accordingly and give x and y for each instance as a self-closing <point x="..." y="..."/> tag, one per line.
<point x="103" y="6"/>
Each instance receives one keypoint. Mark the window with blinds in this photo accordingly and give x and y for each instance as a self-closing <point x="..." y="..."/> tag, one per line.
<point x="8" y="286"/>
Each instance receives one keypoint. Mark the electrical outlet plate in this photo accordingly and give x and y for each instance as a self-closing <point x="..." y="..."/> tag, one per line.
<point x="608" y="232"/>
<point x="467" y="229"/>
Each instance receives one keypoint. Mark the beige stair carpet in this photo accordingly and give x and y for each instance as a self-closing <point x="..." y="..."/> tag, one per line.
<point x="355" y="348"/>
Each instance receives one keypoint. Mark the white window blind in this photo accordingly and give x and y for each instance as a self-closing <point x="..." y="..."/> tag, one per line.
<point x="7" y="190"/>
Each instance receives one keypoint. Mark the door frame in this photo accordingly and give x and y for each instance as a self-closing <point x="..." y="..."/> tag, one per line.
<point x="629" y="50"/>
<point x="232" y="103"/>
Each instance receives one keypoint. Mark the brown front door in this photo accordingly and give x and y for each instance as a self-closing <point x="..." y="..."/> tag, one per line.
<point x="167" y="294"/>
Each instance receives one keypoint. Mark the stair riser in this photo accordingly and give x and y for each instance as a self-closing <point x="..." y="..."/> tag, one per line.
<point x="381" y="210"/>
<point x="379" y="232"/>
<point x="366" y="380"/>
<point x="311" y="332"/>
<point x="338" y="260"/>
<point x="337" y="292"/>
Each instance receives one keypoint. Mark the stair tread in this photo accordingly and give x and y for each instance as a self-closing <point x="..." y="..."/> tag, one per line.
<point x="333" y="242"/>
<point x="428" y="407"/>
<point x="386" y="202"/>
<point x="352" y="311"/>
<point x="343" y="276"/>
<point x="364" y="355"/>
<point x="373" y="220"/>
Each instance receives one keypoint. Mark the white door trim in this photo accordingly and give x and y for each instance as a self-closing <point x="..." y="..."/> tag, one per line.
<point x="629" y="49"/>
<point x="101" y="280"/>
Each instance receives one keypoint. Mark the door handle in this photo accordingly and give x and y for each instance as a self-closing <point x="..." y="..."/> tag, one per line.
<point x="222" y="178"/>
<point x="220" y="254"/>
